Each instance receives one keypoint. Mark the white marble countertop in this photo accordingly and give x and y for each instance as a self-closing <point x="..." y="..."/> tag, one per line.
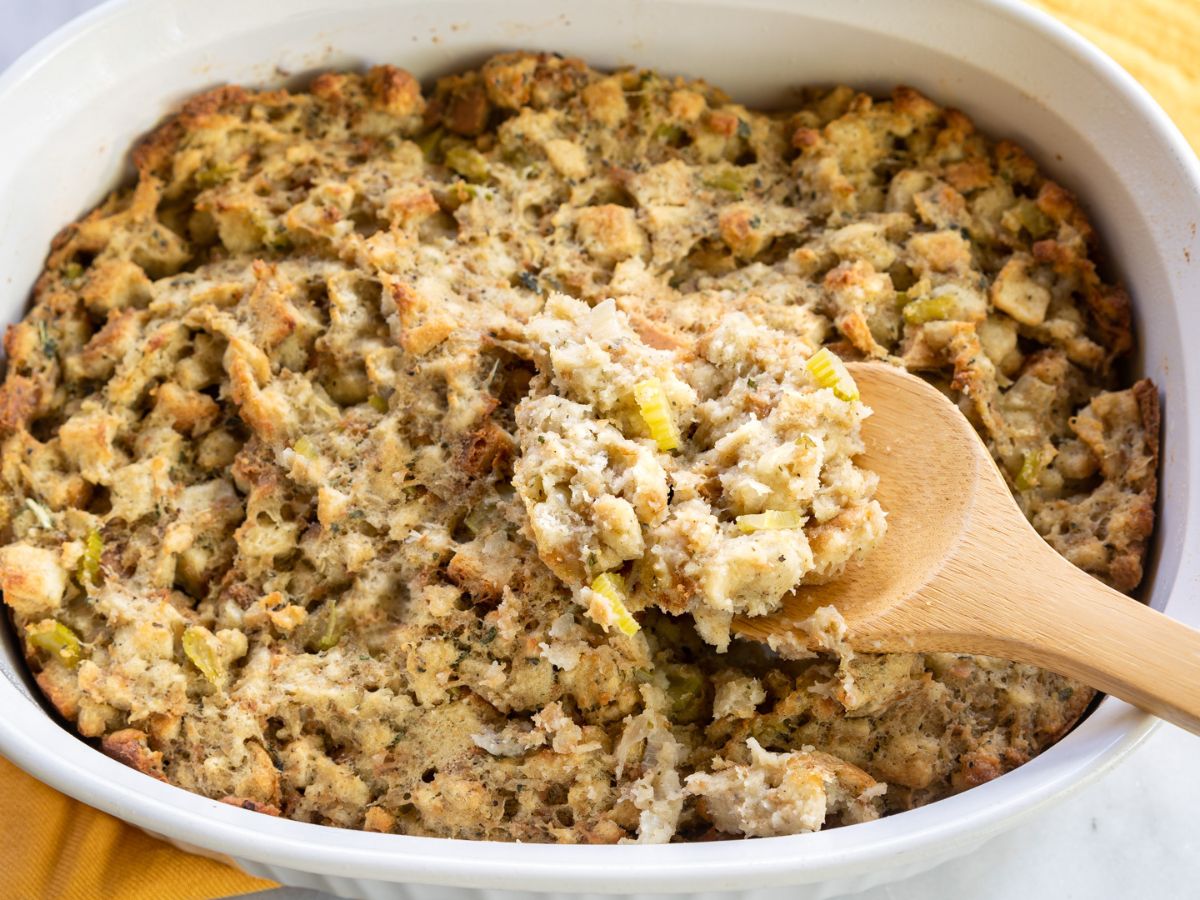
<point x="1132" y="834"/>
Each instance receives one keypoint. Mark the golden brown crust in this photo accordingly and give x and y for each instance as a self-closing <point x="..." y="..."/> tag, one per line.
<point x="153" y="151"/>
<point x="18" y="402"/>
<point x="131" y="747"/>
<point x="58" y="686"/>
<point x="395" y="91"/>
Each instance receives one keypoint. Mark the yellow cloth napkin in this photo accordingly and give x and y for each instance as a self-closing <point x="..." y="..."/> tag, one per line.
<point x="1157" y="41"/>
<point x="53" y="847"/>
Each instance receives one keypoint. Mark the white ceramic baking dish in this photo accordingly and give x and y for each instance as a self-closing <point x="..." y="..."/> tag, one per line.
<point x="72" y="106"/>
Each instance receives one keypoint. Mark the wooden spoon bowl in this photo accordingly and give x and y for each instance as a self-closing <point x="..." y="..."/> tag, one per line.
<point x="961" y="569"/>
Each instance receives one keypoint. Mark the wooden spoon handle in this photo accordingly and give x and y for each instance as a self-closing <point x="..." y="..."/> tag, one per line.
<point x="1046" y="612"/>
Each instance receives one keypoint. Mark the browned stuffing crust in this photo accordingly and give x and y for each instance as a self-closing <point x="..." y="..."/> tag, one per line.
<point x="259" y="440"/>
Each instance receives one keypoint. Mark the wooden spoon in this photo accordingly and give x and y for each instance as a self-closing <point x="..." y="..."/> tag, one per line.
<point x="961" y="569"/>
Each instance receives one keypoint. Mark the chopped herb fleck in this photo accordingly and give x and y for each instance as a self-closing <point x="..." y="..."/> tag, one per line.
<point x="280" y="241"/>
<point x="49" y="344"/>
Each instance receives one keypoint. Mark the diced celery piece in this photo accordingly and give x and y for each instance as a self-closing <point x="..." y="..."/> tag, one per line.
<point x="685" y="692"/>
<point x="1031" y="471"/>
<point x="214" y="174"/>
<point x="668" y="133"/>
<point x="305" y="447"/>
<point x="1033" y="220"/>
<point x="89" y="562"/>
<point x="657" y="413"/>
<point x="328" y="628"/>
<point x="929" y="309"/>
<point x="830" y="372"/>
<point x="430" y="142"/>
<point x="771" y="520"/>
<point x="198" y="645"/>
<point x="468" y="163"/>
<point x="611" y="587"/>
<point x="726" y="179"/>
<point x="57" y="640"/>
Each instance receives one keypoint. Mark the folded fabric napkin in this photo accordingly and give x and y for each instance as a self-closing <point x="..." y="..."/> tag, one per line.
<point x="1156" y="41"/>
<point x="54" y="847"/>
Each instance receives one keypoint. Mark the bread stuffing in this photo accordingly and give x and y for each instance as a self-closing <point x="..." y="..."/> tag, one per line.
<point x="721" y="481"/>
<point x="395" y="458"/>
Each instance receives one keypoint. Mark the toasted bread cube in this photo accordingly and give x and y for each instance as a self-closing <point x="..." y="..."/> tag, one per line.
<point x="609" y="233"/>
<point x="32" y="579"/>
